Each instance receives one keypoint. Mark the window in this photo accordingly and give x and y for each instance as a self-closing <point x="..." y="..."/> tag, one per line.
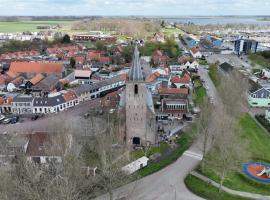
<point x="136" y="89"/>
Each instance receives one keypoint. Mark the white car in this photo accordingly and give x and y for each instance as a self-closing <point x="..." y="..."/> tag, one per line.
<point x="2" y="117"/>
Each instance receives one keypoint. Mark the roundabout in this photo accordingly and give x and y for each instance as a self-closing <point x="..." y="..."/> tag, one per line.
<point x="257" y="171"/>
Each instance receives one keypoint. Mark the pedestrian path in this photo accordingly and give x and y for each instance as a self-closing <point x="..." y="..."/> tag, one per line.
<point x="193" y="155"/>
<point x="230" y="191"/>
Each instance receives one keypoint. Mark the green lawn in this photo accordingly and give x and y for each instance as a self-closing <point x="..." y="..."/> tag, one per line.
<point x="20" y="26"/>
<point x="170" y="31"/>
<point x="199" y="95"/>
<point x="207" y="191"/>
<point x="259" y="148"/>
<point x="260" y="60"/>
<point x="162" y="148"/>
<point x="214" y="74"/>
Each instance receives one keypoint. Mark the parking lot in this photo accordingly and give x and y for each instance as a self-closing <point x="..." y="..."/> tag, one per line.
<point x="234" y="60"/>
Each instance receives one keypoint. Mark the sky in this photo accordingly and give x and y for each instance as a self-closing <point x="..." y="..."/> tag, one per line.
<point x="134" y="7"/>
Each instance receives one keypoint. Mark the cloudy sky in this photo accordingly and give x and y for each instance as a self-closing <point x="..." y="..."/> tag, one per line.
<point x="134" y="7"/>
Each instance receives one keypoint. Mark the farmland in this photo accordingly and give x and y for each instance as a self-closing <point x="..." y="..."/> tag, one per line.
<point x="20" y="26"/>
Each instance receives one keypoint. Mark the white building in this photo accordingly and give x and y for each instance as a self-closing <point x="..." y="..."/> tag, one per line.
<point x="136" y="165"/>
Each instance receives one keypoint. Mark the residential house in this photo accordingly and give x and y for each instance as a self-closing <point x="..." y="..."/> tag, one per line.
<point x="160" y="58"/>
<point x="70" y="98"/>
<point x="183" y="81"/>
<point x="47" y="85"/>
<point x="22" y="104"/>
<point x="33" y="81"/>
<point x="174" y="108"/>
<point x="190" y="42"/>
<point x="83" y="76"/>
<point x="6" y="104"/>
<point x="195" y="52"/>
<point x="258" y="96"/>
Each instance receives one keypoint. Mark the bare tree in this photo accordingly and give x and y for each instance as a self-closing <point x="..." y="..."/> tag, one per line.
<point x="229" y="150"/>
<point x="206" y="129"/>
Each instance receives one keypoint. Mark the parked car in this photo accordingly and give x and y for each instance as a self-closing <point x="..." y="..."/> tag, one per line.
<point x="2" y="117"/>
<point x="6" y="121"/>
<point x="14" y="120"/>
<point x="34" y="117"/>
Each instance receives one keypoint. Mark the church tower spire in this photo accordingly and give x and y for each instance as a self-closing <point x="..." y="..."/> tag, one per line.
<point x="135" y="72"/>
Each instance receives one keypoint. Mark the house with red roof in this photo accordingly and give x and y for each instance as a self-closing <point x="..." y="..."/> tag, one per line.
<point x="180" y="81"/>
<point x="160" y="58"/>
<point x="195" y="52"/>
<point x="6" y="104"/>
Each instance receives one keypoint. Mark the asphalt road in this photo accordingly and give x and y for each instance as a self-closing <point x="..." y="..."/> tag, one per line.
<point x="167" y="184"/>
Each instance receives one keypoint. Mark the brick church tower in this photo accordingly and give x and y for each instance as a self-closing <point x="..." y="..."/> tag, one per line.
<point x="137" y="104"/>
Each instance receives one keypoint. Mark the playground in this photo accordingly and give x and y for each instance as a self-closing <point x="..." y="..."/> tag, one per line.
<point x="257" y="171"/>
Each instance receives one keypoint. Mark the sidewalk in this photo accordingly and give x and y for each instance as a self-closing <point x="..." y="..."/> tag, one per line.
<point x="230" y="191"/>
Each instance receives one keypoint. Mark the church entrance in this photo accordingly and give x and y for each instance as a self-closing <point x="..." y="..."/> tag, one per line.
<point x="136" y="141"/>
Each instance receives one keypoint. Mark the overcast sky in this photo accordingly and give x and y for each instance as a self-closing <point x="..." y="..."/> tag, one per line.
<point x="134" y="7"/>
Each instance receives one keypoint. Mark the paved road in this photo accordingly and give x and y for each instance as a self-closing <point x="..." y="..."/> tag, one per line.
<point x="167" y="184"/>
<point x="231" y="59"/>
<point x="211" y="91"/>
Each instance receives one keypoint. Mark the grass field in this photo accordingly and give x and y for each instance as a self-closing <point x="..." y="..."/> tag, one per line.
<point x="20" y="26"/>
<point x="169" y="31"/>
<point x="199" y="95"/>
<point x="207" y="191"/>
<point x="214" y="74"/>
<point x="259" y="148"/>
<point x="259" y="60"/>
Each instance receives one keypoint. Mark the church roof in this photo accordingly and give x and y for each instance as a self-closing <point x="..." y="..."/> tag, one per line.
<point x="135" y="72"/>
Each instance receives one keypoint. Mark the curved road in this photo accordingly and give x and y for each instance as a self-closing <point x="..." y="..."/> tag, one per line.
<point x="166" y="184"/>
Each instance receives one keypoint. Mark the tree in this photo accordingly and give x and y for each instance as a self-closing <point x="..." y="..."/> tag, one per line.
<point x="66" y="39"/>
<point x="72" y="62"/>
<point x="229" y="149"/>
<point x="206" y="129"/>
<point x="100" y="45"/>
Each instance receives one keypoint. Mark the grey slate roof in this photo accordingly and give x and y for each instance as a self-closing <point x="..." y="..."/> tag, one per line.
<point x="21" y="98"/>
<point x="79" y="90"/>
<point x="226" y="67"/>
<point x="48" y="101"/>
<point x="135" y="72"/>
<point x="47" y="82"/>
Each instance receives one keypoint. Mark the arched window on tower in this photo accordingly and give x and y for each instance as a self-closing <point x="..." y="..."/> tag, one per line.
<point x="136" y="89"/>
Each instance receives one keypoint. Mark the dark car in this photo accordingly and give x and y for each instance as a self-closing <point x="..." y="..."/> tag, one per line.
<point x="14" y="120"/>
<point x="34" y="117"/>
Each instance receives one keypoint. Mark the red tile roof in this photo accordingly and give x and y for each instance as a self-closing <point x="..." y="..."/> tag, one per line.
<point x="194" y="50"/>
<point x="164" y="90"/>
<point x="36" y="67"/>
<point x="69" y="95"/>
<point x="185" y="79"/>
<point x="152" y="77"/>
<point x="37" y="79"/>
